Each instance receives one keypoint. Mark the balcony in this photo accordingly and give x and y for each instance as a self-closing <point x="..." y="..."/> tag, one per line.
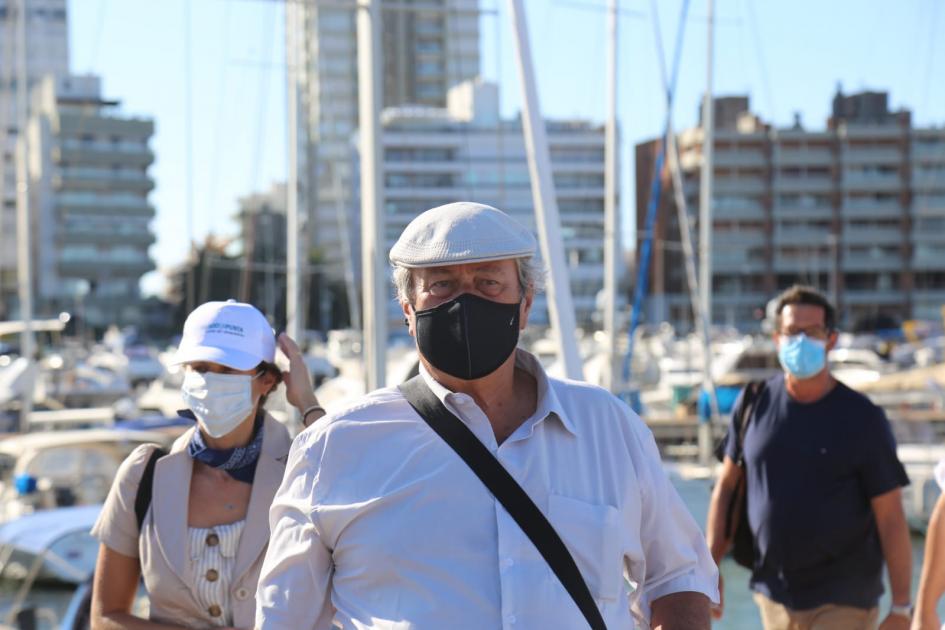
<point x="738" y="185"/>
<point x="733" y="260"/>
<point x="871" y="131"/>
<point x="76" y="124"/>
<point x="735" y="212"/>
<point x="726" y="158"/>
<point x="929" y="179"/>
<point x="881" y="182"/>
<point x="803" y="157"/>
<point x="855" y="297"/>
<point x="928" y="256"/>
<point x="872" y="155"/>
<point x="134" y="154"/>
<point x="933" y="296"/>
<point x="928" y="151"/>
<point x="808" y="184"/>
<point x="83" y="178"/>
<point x="122" y="234"/>
<point x="738" y="238"/>
<point x="872" y="235"/>
<point x="871" y="262"/>
<point x="103" y="266"/>
<point x="794" y="211"/>
<point x="871" y="208"/>
<point x="793" y="263"/>
<point x="801" y="236"/>
<point x="743" y="298"/>
<point x="918" y="235"/>
<point x="109" y="204"/>
<point x="928" y="205"/>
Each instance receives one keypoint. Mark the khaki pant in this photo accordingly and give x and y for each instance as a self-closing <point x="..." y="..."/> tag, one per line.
<point x="826" y="617"/>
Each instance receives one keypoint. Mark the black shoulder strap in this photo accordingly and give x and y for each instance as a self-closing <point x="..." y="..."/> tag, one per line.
<point x="744" y="413"/>
<point x="504" y="487"/>
<point x="143" y="496"/>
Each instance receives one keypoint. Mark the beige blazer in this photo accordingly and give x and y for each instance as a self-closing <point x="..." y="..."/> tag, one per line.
<point x="162" y="546"/>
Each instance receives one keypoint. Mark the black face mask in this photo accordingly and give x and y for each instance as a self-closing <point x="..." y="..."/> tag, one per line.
<point x="469" y="336"/>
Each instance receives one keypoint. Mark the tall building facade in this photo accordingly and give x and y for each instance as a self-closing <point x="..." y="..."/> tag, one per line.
<point x="47" y="53"/>
<point x="262" y="220"/>
<point x="425" y="50"/>
<point x="434" y="156"/>
<point x="856" y="209"/>
<point x="89" y="186"/>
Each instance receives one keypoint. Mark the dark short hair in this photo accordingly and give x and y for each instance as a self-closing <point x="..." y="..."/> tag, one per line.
<point x="801" y="294"/>
<point x="273" y="369"/>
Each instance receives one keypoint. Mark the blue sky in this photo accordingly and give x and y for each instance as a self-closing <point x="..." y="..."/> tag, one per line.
<point x="788" y="56"/>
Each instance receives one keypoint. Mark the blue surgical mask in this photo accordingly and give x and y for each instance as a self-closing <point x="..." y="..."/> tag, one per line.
<point x="801" y="356"/>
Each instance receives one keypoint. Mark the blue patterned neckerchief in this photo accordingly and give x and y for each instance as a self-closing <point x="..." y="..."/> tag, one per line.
<point x="239" y="462"/>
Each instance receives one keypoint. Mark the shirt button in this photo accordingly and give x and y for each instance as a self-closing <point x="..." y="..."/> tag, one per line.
<point x="215" y="611"/>
<point x="212" y="575"/>
<point x="507" y="562"/>
<point x="511" y="619"/>
<point x="242" y="593"/>
<point x="212" y="540"/>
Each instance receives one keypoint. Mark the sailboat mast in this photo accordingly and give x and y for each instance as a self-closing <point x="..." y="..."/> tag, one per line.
<point x="23" y="231"/>
<point x="560" y="305"/>
<point x="705" y="242"/>
<point x="705" y="184"/>
<point x="294" y="66"/>
<point x="373" y="244"/>
<point x="611" y="238"/>
<point x="23" y="227"/>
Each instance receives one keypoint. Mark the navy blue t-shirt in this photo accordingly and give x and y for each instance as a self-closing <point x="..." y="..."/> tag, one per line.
<point x="812" y="469"/>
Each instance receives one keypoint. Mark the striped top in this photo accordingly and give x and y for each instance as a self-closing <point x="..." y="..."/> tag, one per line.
<point x="212" y="556"/>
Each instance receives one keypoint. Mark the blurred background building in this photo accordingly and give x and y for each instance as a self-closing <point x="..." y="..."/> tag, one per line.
<point x="89" y="189"/>
<point x="856" y="209"/>
<point x="437" y="155"/>
<point x="425" y="53"/>
<point x="47" y="53"/>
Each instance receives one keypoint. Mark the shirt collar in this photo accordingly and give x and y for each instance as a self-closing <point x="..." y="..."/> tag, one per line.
<point x="548" y="402"/>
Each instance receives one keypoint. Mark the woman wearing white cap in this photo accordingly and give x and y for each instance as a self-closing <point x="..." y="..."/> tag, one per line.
<point x="194" y="523"/>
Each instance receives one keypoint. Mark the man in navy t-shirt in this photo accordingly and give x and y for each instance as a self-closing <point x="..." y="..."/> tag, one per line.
<point x="823" y="489"/>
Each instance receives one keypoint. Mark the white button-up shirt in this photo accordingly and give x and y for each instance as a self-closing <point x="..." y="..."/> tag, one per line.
<point x="380" y="524"/>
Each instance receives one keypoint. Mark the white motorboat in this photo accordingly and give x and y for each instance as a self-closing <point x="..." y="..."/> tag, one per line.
<point x="49" y="469"/>
<point x="50" y="545"/>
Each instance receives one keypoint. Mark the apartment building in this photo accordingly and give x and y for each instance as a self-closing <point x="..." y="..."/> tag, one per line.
<point x="856" y="209"/>
<point x="426" y="50"/>
<point x="47" y="53"/>
<point x="89" y="188"/>
<point x="434" y="156"/>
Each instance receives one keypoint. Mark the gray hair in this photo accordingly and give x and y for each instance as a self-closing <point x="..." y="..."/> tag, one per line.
<point x="531" y="277"/>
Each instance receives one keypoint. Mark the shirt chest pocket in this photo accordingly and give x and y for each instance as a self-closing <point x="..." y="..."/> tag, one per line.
<point x="591" y="533"/>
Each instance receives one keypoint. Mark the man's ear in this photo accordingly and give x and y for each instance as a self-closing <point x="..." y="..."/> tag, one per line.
<point x="409" y="318"/>
<point x="832" y="339"/>
<point x="525" y="309"/>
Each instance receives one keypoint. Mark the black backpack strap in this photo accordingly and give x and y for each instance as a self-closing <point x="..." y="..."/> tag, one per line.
<point x="504" y="487"/>
<point x="744" y="414"/>
<point x="742" y="418"/>
<point x="146" y="486"/>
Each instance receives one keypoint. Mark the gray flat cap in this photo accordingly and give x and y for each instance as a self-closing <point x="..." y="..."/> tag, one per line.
<point x="461" y="232"/>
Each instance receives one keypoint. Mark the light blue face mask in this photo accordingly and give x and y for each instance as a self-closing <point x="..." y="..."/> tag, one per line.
<point x="801" y="356"/>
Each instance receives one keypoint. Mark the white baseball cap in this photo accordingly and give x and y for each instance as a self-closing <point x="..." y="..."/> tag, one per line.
<point x="459" y="233"/>
<point x="230" y="333"/>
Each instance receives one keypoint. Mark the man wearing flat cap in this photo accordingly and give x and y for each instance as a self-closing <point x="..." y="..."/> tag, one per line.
<point x="380" y="523"/>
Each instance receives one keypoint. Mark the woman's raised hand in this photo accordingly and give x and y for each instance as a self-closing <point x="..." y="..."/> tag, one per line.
<point x="298" y="382"/>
